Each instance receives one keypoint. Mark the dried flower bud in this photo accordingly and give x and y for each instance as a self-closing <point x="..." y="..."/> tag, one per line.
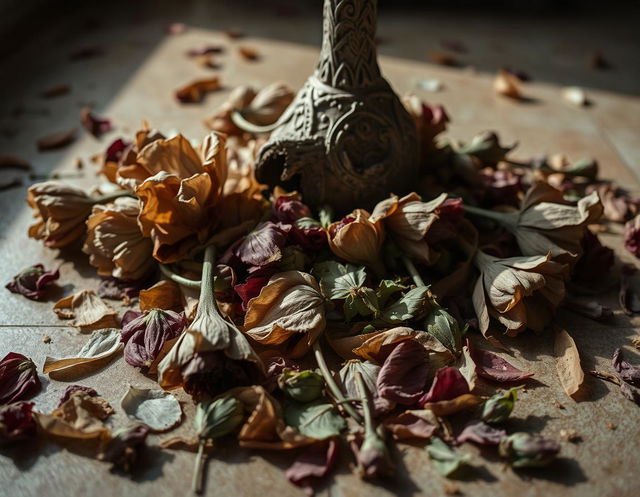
<point x="374" y="460"/>
<point x="145" y="333"/>
<point x="303" y="386"/>
<point x="17" y="422"/>
<point x="18" y="378"/>
<point x="498" y="408"/>
<point x="218" y="418"/>
<point x="123" y="450"/>
<point x="114" y="242"/>
<point x="33" y="281"/>
<point x="524" y="450"/>
<point x="61" y="211"/>
<point x="358" y="240"/>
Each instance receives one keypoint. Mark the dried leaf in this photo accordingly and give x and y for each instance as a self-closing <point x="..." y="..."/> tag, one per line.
<point x="567" y="362"/>
<point x="96" y="353"/>
<point x="314" y="463"/>
<point x="157" y="409"/>
<point x="195" y="91"/>
<point x="493" y="367"/>
<point x="467" y="366"/>
<point x="411" y="305"/>
<point x="404" y="373"/>
<point x="447" y="462"/>
<point x="317" y="419"/>
<point x="412" y="424"/>
<point x="88" y="311"/>
<point x="56" y="140"/>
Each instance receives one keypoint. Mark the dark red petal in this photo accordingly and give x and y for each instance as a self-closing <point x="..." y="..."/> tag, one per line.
<point x="492" y="367"/>
<point x="315" y="462"/>
<point x="404" y="373"/>
<point x="448" y="384"/>
<point x="481" y="433"/>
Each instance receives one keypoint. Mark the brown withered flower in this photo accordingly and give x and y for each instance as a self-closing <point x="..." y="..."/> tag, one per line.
<point x="61" y="211"/>
<point x="407" y="220"/>
<point x="358" y="240"/>
<point x="519" y="292"/>
<point x="179" y="200"/>
<point x="114" y="242"/>
<point x="212" y="355"/>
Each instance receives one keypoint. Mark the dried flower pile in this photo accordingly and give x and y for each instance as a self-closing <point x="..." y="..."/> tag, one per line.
<point x="241" y="293"/>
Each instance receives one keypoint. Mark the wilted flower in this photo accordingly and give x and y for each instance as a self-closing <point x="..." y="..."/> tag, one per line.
<point x="145" y="333"/>
<point x="303" y="386"/>
<point x="632" y="236"/>
<point x="178" y="201"/>
<point x="61" y="211"/>
<point x="263" y="246"/>
<point x="123" y="450"/>
<point x="114" y="242"/>
<point x="212" y="355"/>
<point x="33" y="281"/>
<point x="357" y="240"/>
<point x="17" y="422"/>
<point x="518" y="291"/>
<point x="524" y="450"/>
<point x="408" y="220"/>
<point x="18" y="378"/>
<point x="497" y="408"/>
<point x="290" y="308"/>
<point x="374" y="460"/>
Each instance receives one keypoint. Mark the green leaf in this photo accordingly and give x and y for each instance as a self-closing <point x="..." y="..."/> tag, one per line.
<point x="338" y="281"/>
<point x="316" y="420"/>
<point x="303" y="386"/>
<point x="447" y="462"/>
<point x="218" y="417"/>
<point x="411" y="305"/>
<point x="445" y="328"/>
<point x="497" y="409"/>
<point x="363" y="301"/>
<point x="386" y="288"/>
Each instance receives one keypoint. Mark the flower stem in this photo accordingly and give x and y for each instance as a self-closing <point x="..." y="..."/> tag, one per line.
<point x="207" y="300"/>
<point x="496" y="216"/>
<point x="179" y="279"/>
<point x="197" y="483"/>
<point x="366" y="403"/>
<point x="332" y="385"/>
<point x="417" y="279"/>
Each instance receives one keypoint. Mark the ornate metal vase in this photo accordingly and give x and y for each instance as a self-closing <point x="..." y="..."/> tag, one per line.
<point x="346" y="140"/>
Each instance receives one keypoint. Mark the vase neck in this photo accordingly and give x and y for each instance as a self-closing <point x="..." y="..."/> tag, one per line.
<point x="348" y="59"/>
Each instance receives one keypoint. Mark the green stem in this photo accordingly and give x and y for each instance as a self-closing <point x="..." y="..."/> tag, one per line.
<point x="197" y="483"/>
<point x="332" y="385"/>
<point x="366" y="403"/>
<point x="179" y="279"/>
<point x="411" y="268"/>
<point x="496" y="216"/>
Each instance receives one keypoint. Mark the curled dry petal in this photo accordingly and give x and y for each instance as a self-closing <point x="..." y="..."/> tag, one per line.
<point x="88" y="311"/>
<point x="195" y="91"/>
<point x="290" y="308"/>
<point x="18" y="378"/>
<point x="72" y="389"/>
<point x="494" y="368"/>
<point x="507" y="84"/>
<point x="357" y="240"/>
<point x="447" y="384"/>
<point x="123" y="450"/>
<point x="33" y="281"/>
<point x="263" y="245"/>
<point x="629" y="373"/>
<point x="268" y="104"/>
<point x="17" y="423"/>
<point x="95" y="125"/>
<point x="412" y="424"/>
<point x="60" y="212"/>
<point x="238" y="99"/>
<point x="481" y="433"/>
<point x="114" y="242"/>
<point x="568" y="362"/>
<point x="314" y="463"/>
<point x="403" y="375"/>
<point x="158" y="410"/>
<point x="518" y="291"/>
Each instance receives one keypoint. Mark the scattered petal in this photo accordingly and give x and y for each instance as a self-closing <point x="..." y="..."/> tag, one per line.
<point x="313" y="463"/>
<point x="629" y="373"/>
<point x="157" y="409"/>
<point x="97" y="126"/>
<point x="507" y="84"/>
<point x="567" y="362"/>
<point x="493" y="367"/>
<point x="88" y="311"/>
<point x="33" y="282"/>
<point x="56" y="140"/>
<point x="481" y="433"/>
<point x="18" y="378"/>
<point x="403" y="375"/>
<point x="195" y="91"/>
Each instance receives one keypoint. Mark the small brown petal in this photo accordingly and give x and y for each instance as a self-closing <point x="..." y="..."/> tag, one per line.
<point x="88" y="311"/>
<point x="568" y="362"/>
<point x="507" y="84"/>
<point x="195" y="91"/>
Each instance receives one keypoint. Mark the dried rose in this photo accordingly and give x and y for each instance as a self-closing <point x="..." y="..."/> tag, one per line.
<point x="519" y="292"/>
<point x="358" y="240"/>
<point x="97" y="126"/>
<point x="629" y="373"/>
<point x="114" y="242"/>
<point x="632" y="236"/>
<point x="524" y="450"/>
<point x="123" y="450"/>
<point x="145" y="334"/>
<point x="19" y="378"/>
<point x="303" y="386"/>
<point x="408" y="220"/>
<point x="33" y="281"/>
<point x="403" y="375"/>
<point x="72" y="389"/>
<point x="287" y="209"/>
<point x="61" y="211"/>
<point x="290" y="308"/>
<point x="17" y="423"/>
<point x="212" y="355"/>
<point x="497" y="409"/>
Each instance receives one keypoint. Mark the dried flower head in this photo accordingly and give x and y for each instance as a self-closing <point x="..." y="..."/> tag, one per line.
<point x="519" y="292"/>
<point x="18" y="378"/>
<point x="114" y="242"/>
<point x="524" y="450"/>
<point x="61" y="211"/>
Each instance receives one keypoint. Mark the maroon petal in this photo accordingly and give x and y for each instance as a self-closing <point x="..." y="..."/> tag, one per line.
<point x="629" y="373"/>
<point x="115" y="289"/>
<point x="17" y="423"/>
<point x="70" y="390"/>
<point x="492" y="367"/>
<point x="404" y="373"/>
<point x="448" y="384"/>
<point x="481" y="433"/>
<point x="115" y="151"/>
<point x="314" y="238"/>
<point x="18" y="378"/>
<point x="97" y="126"/>
<point x="407" y="425"/>
<point x="33" y="282"/>
<point x="288" y="210"/>
<point x="263" y="245"/>
<point x="314" y="463"/>
<point x="250" y="289"/>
